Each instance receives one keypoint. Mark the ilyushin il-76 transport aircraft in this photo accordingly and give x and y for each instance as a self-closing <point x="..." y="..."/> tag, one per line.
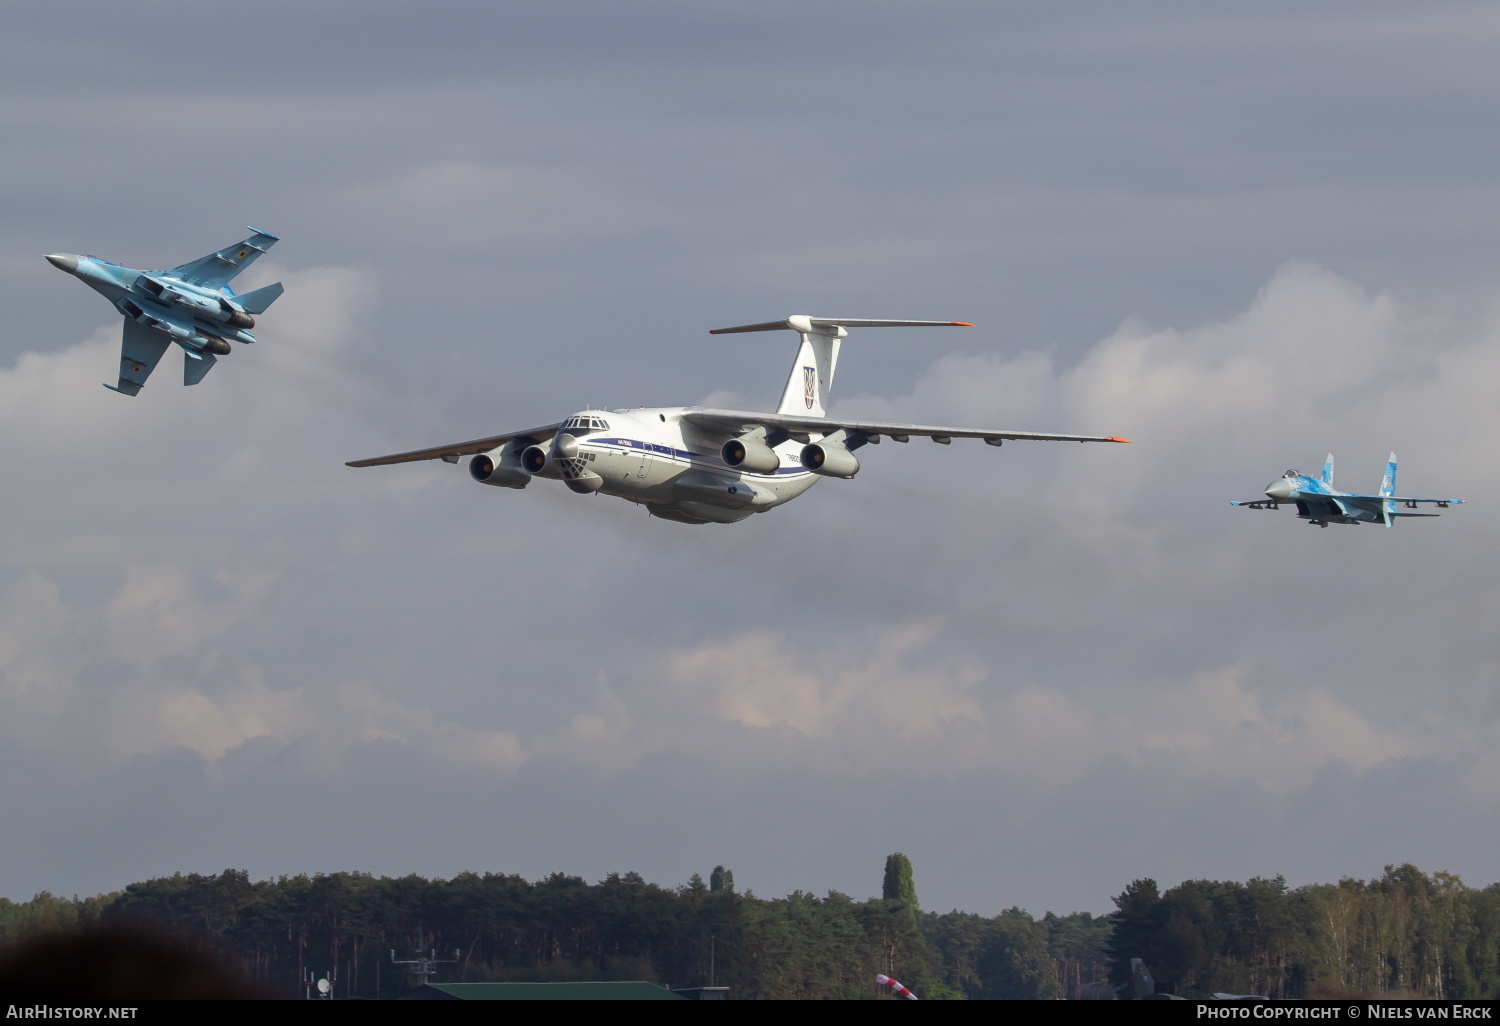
<point x="1318" y="502"/>
<point x="704" y="466"/>
<point x="191" y="305"/>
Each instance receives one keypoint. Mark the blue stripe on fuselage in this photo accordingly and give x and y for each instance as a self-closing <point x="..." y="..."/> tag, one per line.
<point x="635" y="446"/>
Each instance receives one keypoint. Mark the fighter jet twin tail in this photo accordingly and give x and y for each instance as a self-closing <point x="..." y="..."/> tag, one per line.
<point x="1318" y="502"/>
<point x="683" y="463"/>
<point x="191" y="305"/>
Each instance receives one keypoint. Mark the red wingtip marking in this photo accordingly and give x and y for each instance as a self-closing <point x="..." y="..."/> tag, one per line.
<point x="961" y="324"/>
<point x="1112" y="438"/>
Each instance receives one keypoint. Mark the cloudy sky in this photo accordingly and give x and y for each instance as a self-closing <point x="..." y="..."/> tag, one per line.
<point x="1240" y="235"/>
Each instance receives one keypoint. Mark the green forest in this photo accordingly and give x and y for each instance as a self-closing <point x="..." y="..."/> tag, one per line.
<point x="1405" y="933"/>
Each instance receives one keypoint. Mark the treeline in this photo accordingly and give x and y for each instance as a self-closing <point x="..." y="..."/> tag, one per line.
<point x="1405" y="933"/>
<point x="504" y="927"/>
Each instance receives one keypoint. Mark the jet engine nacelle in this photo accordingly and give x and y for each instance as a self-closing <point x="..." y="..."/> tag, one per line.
<point x="829" y="459"/>
<point x="214" y="307"/>
<point x="217" y="346"/>
<point x="750" y="452"/>
<point x="498" y="467"/>
<point x="538" y="462"/>
<point x="234" y="316"/>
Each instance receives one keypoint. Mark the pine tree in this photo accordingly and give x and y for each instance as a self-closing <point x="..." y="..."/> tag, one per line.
<point x="721" y="879"/>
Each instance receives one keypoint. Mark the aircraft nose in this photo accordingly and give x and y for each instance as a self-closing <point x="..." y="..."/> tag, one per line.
<point x="63" y="262"/>
<point x="1280" y="490"/>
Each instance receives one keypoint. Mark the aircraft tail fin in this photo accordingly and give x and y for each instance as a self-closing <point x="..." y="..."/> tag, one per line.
<point x="811" y="379"/>
<point x="257" y="301"/>
<point x="196" y="365"/>
<point x="1328" y="471"/>
<point x="1388" y="484"/>
<point x="807" y="387"/>
<point x="1388" y="487"/>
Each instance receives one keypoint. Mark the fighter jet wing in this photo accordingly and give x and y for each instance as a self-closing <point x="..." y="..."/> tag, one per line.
<point x="737" y="422"/>
<point x="215" y="270"/>
<point x="451" y="453"/>
<point x="140" y="351"/>
<point x="1258" y="503"/>
<point x="1362" y="499"/>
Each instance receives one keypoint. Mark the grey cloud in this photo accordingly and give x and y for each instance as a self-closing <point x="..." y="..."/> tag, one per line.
<point x="219" y="646"/>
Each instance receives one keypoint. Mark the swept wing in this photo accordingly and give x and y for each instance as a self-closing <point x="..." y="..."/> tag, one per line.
<point x="1376" y="499"/>
<point x="140" y="351"/>
<point x="451" y="453"/>
<point x="736" y="422"/>
<point x="215" y="270"/>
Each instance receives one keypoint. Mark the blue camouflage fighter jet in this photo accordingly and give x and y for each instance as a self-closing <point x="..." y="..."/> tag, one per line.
<point x="191" y="305"/>
<point x="1318" y="502"/>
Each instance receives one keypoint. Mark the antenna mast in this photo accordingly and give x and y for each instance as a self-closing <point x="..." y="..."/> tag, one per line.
<point x="424" y="966"/>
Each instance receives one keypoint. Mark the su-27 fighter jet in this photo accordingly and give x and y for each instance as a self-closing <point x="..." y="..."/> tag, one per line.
<point x="1318" y="502"/>
<point x="700" y="466"/>
<point x="191" y="305"/>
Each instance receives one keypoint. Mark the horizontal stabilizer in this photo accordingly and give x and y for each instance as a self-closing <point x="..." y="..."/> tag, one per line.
<point x="257" y="301"/>
<point x="798" y="322"/>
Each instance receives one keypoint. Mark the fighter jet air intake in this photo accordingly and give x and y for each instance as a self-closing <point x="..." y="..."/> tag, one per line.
<point x="699" y="466"/>
<point x="191" y="305"/>
<point x="1318" y="502"/>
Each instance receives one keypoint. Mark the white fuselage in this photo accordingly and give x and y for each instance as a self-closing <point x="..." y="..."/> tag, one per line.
<point x="651" y="456"/>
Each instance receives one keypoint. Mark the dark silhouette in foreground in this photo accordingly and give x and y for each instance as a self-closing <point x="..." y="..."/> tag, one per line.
<point x="114" y="964"/>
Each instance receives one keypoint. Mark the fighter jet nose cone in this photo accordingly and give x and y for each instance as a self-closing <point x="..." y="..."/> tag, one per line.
<point x="1281" y="490"/>
<point x="63" y="261"/>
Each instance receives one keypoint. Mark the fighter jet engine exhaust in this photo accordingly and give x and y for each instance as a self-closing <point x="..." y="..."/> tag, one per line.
<point x="749" y="452"/>
<point x="218" y="347"/>
<point x="233" y="317"/>
<point x="830" y="459"/>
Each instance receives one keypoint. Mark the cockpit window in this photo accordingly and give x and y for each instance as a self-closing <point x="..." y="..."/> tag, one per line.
<point x="1292" y="473"/>
<point x="577" y="426"/>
